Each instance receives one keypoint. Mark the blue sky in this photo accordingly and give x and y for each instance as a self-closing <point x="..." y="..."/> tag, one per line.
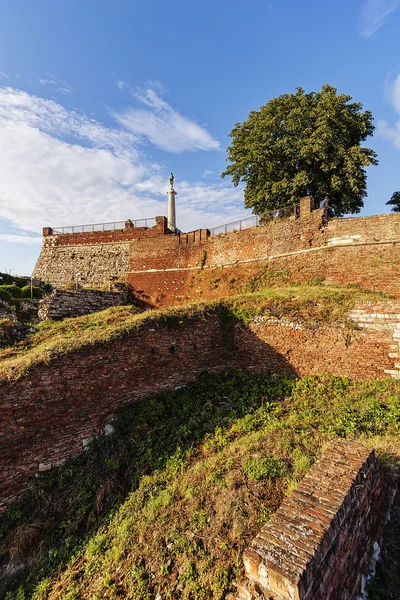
<point x="100" y="100"/>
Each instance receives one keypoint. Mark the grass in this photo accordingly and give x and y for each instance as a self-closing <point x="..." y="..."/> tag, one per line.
<point x="313" y="304"/>
<point x="167" y="504"/>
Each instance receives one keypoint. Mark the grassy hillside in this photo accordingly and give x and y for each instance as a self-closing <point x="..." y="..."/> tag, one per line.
<point x="301" y="302"/>
<point x="166" y="505"/>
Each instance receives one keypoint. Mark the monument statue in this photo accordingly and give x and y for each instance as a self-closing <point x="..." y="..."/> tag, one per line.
<point x="171" y="181"/>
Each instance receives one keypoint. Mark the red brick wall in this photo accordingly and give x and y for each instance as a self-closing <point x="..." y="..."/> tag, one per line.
<point x="319" y="545"/>
<point x="361" y="250"/>
<point x="104" y="237"/>
<point x="46" y="415"/>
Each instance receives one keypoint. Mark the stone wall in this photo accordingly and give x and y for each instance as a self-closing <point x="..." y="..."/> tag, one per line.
<point x="60" y="304"/>
<point x="48" y="414"/>
<point x="321" y="542"/>
<point x="97" y="256"/>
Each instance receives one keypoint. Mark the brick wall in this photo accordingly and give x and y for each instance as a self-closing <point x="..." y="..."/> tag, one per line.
<point x="60" y="304"/>
<point x="48" y="414"/>
<point x="363" y="250"/>
<point x="320" y="543"/>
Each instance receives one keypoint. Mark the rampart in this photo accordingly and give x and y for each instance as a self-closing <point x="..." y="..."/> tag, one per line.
<point x="168" y="268"/>
<point x="49" y="414"/>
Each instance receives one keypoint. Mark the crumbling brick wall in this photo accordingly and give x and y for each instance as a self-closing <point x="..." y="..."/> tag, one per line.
<point x="320" y="543"/>
<point x="47" y="414"/>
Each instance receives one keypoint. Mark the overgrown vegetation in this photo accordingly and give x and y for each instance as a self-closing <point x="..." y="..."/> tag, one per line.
<point x="167" y="503"/>
<point x="313" y="304"/>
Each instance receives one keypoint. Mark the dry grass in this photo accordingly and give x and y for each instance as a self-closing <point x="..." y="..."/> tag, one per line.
<point x="314" y="304"/>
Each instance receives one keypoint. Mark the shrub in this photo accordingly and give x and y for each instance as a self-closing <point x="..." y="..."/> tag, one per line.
<point x="13" y="290"/>
<point x="5" y="296"/>
<point x="26" y="291"/>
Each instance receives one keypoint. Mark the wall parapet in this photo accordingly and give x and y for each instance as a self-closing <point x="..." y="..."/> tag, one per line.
<point x="320" y="543"/>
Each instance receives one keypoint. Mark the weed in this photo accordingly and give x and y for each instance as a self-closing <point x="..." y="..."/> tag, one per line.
<point x="265" y="468"/>
<point x="187" y="485"/>
<point x="203" y="259"/>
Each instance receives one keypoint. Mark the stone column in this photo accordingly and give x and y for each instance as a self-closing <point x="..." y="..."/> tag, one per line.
<point x="171" y="209"/>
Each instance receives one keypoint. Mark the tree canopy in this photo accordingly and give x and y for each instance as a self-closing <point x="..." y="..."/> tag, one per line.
<point x="299" y="144"/>
<point x="395" y="201"/>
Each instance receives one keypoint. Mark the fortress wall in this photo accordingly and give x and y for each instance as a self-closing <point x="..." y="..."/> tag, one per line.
<point x="48" y="415"/>
<point x="96" y="255"/>
<point x="362" y="250"/>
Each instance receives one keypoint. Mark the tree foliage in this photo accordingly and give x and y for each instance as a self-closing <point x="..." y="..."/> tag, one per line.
<point x="395" y="201"/>
<point x="300" y="144"/>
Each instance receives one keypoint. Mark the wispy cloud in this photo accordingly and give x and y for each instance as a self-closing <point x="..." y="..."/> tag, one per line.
<point x="59" y="85"/>
<point x="2" y="74"/>
<point x="162" y="125"/>
<point x="17" y="106"/>
<point x="384" y="130"/>
<point x="60" y="167"/>
<point x="374" y="14"/>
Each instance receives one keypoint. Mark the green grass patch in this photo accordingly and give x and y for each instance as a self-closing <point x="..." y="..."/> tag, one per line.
<point x="167" y="504"/>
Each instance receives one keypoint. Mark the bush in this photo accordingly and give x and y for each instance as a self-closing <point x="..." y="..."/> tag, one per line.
<point x="5" y="296"/>
<point x="13" y="290"/>
<point x="26" y="291"/>
<point x="8" y="279"/>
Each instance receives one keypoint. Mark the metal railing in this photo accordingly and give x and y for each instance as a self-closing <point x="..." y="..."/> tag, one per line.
<point x="287" y="212"/>
<point x="236" y="225"/>
<point x="151" y="222"/>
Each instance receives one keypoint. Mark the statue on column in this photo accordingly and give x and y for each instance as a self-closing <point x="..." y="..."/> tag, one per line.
<point x="171" y="181"/>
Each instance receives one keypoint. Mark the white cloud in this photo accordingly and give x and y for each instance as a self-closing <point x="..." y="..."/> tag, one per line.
<point x="59" y="167"/>
<point x="2" y="74"/>
<point x="375" y="13"/>
<point x="17" y="106"/>
<point x="59" y="85"/>
<point x="20" y="239"/>
<point x="162" y="125"/>
<point x="384" y="130"/>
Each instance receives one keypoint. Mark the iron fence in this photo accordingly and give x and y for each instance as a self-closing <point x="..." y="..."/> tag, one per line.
<point x="287" y="212"/>
<point x="112" y="226"/>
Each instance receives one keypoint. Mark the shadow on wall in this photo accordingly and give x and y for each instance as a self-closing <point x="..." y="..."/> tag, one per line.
<point x="52" y="412"/>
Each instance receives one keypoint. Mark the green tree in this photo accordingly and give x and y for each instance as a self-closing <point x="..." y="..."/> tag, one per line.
<point x="395" y="201"/>
<point x="300" y="144"/>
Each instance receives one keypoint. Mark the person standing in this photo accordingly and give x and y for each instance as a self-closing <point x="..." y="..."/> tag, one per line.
<point x="325" y="205"/>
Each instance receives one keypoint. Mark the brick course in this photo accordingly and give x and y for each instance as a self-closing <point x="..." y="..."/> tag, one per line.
<point x="320" y="543"/>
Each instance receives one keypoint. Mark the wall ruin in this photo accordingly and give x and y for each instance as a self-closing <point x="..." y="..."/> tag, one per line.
<point x="320" y="544"/>
<point x="48" y="414"/>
